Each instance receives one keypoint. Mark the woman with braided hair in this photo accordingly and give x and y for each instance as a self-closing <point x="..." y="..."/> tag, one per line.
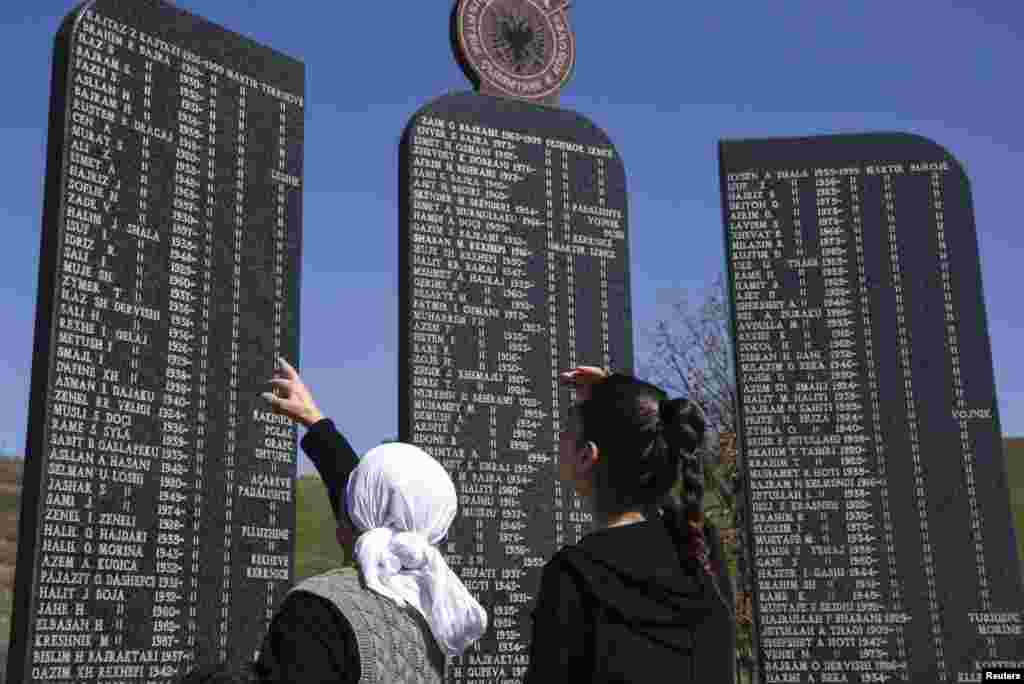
<point x="645" y="596"/>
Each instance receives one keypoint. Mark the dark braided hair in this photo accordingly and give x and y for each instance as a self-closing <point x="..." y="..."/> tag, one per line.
<point x="652" y="440"/>
<point x="685" y="427"/>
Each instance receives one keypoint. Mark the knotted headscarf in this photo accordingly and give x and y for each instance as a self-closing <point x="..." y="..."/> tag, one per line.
<point x="403" y="502"/>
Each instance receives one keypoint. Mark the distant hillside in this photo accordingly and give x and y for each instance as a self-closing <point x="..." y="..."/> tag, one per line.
<point x="316" y="545"/>
<point x="10" y="487"/>
<point x="1015" y="476"/>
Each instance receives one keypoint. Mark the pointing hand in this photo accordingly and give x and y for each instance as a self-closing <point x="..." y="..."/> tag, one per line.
<point x="290" y="396"/>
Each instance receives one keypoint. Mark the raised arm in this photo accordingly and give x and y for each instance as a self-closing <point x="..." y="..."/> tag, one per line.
<point x="327" y="448"/>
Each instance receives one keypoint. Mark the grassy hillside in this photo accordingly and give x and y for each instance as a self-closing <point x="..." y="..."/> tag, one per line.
<point x="10" y="480"/>
<point x="1015" y="476"/>
<point x="316" y="546"/>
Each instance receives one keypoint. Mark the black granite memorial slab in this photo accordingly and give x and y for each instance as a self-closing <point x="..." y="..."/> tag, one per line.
<point x="157" y="516"/>
<point x="881" y="537"/>
<point x="514" y="266"/>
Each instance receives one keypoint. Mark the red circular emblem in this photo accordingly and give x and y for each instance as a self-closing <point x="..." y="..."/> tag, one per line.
<point x="515" y="48"/>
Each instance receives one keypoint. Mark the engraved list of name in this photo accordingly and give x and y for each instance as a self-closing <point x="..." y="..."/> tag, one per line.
<point x="881" y="534"/>
<point x="163" y="517"/>
<point x="514" y="267"/>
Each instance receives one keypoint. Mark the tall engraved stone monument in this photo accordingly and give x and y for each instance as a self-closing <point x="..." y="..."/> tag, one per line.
<point x="514" y="265"/>
<point x="879" y="521"/>
<point x="157" y="514"/>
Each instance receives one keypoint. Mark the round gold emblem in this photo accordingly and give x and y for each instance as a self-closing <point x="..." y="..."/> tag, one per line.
<point x="516" y="48"/>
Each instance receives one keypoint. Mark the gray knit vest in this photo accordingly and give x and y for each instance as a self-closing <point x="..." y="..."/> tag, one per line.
<point x="395" y="644"/>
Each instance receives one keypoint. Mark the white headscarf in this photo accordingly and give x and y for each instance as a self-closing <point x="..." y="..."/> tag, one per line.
<point x="403" y="502"/>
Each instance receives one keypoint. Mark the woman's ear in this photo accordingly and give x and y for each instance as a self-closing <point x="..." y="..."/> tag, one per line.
<point x="588" y="455"/>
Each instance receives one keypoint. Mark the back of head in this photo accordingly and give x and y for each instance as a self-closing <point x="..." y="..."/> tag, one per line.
<point x="400" y="486"/>
<point x="645" y="440"/>
<point x="403" y="502"/>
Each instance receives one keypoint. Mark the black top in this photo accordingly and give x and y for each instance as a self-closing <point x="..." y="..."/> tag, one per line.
<point x="310" y="641"/>
<point x="622" y="606"/>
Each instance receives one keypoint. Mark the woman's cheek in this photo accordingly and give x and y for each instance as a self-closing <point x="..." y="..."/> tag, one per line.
<point x="565" y="473"/>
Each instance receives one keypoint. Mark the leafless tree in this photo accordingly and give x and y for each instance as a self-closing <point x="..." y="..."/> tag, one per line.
<point x="691" y="354"/>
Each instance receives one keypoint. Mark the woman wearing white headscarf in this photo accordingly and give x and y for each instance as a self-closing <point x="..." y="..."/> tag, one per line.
<point x="402" y="611"/>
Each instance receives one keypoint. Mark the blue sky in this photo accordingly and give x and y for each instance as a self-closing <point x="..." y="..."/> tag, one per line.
<point x="666" y="81"/>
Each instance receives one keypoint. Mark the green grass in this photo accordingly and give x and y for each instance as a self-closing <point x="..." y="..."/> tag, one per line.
<point x="1015" y="477"/>
<point x="6" y="598"/>
<point x="316" y="547"/>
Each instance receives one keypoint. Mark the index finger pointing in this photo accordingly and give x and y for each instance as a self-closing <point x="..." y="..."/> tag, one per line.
<point x="287" y="369"/>
<point x="280" y="383"/>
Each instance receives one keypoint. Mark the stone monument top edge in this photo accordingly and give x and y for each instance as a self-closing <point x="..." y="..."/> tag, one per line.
<point x="180" y="21"/>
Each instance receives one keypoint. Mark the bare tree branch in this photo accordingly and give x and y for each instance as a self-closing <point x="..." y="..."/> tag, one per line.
<point x="690" y="353"/>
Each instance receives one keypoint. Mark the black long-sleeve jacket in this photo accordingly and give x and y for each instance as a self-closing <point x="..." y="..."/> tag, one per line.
<point x="309" y="641"/>
<point x="622" y="606"/>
